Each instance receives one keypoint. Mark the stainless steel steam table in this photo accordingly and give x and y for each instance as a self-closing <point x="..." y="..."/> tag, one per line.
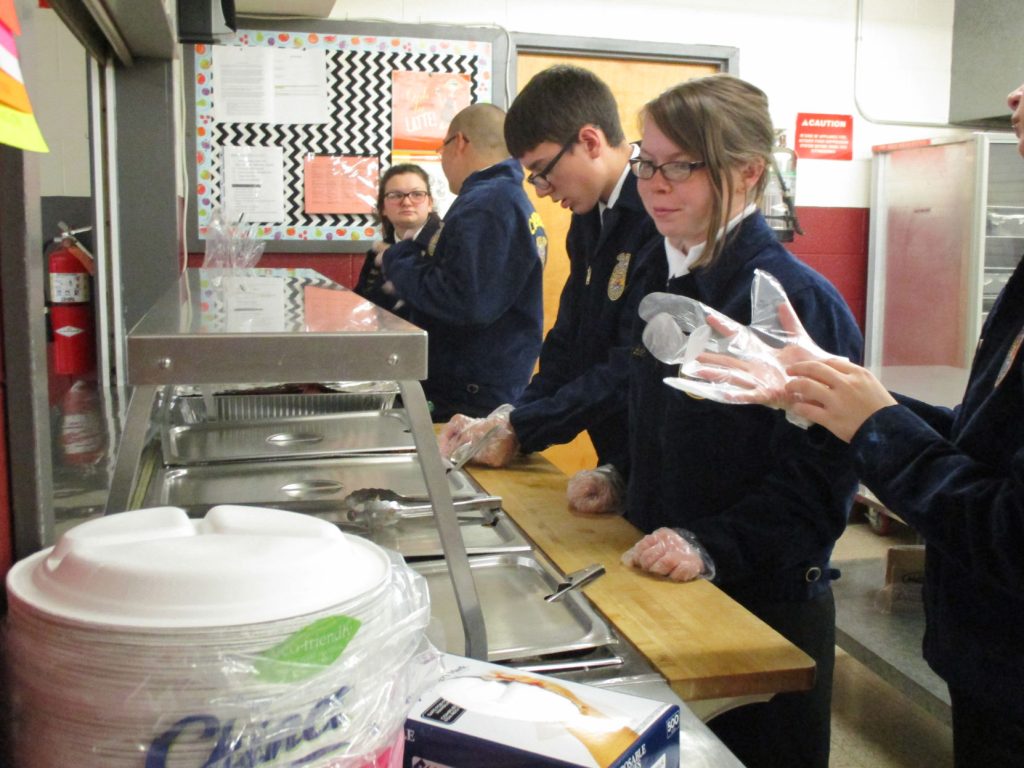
<point x="201" y="334"/>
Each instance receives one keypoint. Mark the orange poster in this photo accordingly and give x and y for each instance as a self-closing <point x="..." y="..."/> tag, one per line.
<point x="422" y="105"/>
<point x="336" y="184"/>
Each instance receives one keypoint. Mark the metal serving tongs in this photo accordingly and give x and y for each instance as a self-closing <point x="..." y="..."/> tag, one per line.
<point x="382" y="507"/>
<point x="575" y="580"/>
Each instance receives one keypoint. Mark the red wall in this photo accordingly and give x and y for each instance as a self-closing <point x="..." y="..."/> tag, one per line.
<point x="342" y="268"/>
<point x="835" y="244"/>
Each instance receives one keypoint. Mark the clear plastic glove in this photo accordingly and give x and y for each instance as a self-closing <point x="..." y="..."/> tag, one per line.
<point x="671" y="552"/>
<point x="491" y="440"/>
<point x="721" y="360"/>
<point x="596" y="491"/>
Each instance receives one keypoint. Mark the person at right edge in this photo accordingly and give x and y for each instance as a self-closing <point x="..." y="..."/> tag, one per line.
<point x="957" y="476"/>
<point x="739" y="495"/>
<point x="564" y="127"/>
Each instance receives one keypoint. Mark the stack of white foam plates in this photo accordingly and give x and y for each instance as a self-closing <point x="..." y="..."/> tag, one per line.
<point x="251" y="637"/>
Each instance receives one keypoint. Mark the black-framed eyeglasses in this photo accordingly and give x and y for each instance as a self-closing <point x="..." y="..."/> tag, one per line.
<point x="540" y="179"/>
<point x="677" y="170"/>
<point x="416" y="195"/>
<point x="447" y="141"/>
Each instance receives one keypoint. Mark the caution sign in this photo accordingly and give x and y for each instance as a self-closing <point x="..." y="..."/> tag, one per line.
<point x="824" y="137"/>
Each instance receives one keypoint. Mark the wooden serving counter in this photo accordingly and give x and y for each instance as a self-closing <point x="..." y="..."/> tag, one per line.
<point x="706" y="645"/>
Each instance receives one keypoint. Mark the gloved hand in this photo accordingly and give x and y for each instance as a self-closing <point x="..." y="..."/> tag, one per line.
<point x="492" y="438"/>
<point x="724" y="361"/>
<point x="597" y="491"/>
<point x="671" y="552"/>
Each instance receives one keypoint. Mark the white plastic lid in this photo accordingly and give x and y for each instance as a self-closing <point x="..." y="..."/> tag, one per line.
<point x="238" y="565"/>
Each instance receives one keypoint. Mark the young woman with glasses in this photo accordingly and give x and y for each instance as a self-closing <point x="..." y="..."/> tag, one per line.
<point x="405" y="207"/>
<point x="764" y="500"/>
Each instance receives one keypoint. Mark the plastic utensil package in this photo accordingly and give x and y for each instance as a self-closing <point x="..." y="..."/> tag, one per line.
<point x="726" y="362"/>
<point x="230" y="247"/>
<point x="481" y="714"/>
<point x="156" y="641"/>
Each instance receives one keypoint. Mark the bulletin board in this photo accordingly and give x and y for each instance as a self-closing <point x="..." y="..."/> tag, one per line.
<point x="290" y="124"/>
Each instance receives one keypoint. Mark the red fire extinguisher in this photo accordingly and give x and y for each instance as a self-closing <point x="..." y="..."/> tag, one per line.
<point x="70" y="268"/>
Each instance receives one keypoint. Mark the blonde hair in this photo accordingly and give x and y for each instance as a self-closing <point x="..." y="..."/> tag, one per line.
<point x="723" y="121"/>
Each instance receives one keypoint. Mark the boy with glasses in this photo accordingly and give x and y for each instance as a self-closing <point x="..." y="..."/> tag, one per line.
<point x="475" y="284"/>
<point x="564" y="128"/>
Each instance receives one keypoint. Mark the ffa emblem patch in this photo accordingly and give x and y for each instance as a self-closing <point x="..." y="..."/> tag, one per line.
<point x="617" y="282"/>
<point x="540" y="238"/>
<point x="432" y="245"/>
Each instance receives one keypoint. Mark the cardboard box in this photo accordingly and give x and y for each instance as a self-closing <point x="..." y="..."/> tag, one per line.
<point x="904" y="579"/>
<point x="482" y="714"/>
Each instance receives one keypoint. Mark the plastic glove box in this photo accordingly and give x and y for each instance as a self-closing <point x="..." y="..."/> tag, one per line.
<point x="485" y="714"/>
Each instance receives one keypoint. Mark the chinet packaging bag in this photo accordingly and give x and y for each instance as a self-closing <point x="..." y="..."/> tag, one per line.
<point x="484" y="714"/>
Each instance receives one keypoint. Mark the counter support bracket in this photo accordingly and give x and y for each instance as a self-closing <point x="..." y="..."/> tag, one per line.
<point x="434" y="474"/>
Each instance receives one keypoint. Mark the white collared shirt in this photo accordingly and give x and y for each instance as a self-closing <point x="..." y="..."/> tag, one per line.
<point x="614" y="196"/>
<point x="680" y="262"/>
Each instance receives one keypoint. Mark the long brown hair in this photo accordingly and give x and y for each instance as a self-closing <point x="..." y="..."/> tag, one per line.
<point x="723" y="121"/>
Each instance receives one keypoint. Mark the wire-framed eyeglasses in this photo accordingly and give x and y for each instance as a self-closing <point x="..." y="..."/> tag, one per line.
<point x="676" y="170"/>
<point x="540" y="179"/>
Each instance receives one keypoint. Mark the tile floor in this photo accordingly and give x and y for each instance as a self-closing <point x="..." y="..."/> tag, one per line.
<point x="873" y="724"/>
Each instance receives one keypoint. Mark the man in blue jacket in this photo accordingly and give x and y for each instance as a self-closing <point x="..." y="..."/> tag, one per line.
<point x="475" y="286"/>
<point x="564" y="127"/>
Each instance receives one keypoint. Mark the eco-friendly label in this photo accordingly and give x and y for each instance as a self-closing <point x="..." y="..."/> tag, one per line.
<point x="308" y="651"/>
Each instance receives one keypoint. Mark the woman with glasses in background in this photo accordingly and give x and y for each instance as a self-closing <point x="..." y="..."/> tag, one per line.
<point x="737" y="486"/>
<point x="405" y="208"/>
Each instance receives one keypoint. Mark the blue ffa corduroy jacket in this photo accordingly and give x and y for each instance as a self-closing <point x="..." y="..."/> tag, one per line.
<point x="582" y="381"/>
<point x="957" y="476"/>
<point x="765" y="498"/>
<point x="475" y="287"/>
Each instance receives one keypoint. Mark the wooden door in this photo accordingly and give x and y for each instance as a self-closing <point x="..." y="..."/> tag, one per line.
<point x="634" y="83"/>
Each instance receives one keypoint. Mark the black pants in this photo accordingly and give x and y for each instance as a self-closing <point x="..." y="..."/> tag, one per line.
<point x="792" y="730"/>
<point x="985" y="735"/>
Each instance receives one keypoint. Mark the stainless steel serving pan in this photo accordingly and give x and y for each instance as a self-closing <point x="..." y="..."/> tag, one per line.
<point x="307" y="436"/>
<point x="308" y="485"/>
<point x="520" y="623"/>
<point x="193" y="408"/>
